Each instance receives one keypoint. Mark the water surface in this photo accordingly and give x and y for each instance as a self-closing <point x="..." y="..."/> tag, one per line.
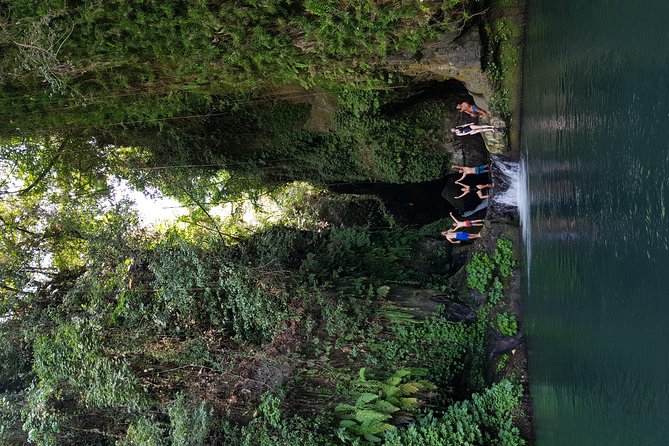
<point x="595" y="142"/>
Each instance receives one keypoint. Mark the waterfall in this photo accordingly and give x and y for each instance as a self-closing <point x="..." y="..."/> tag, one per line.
<point x="511" y="196"/>
<point x="506" y="178"/>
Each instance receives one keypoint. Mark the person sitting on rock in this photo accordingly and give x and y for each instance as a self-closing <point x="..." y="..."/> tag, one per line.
<point x="479" y="190"/>
<point x="457" y="237"/>
<point x="472" y="129"/>
<point x="476" y="170"/>
<point x="471" y="109"/>
<point x="465" y="223"/>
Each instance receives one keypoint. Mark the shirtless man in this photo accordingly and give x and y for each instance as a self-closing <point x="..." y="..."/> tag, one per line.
<point x="476" y="170"/>
<point x="465" y="223"/>
<point x="458" y="237"/>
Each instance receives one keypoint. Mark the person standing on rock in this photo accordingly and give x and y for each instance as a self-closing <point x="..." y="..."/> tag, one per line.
<point x="472" y="129"/>
<point x="479" y="190"/>
<point x="471" y="109"/>
<point x="465" y="223"/>
<point x="476" y="170"/>
<point x="458" y="237"/>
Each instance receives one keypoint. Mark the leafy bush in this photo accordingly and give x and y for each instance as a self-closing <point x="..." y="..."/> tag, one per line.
<point x="256" y="313"/>
<point x="376" y="402"/>
<point x="507" y="324"/>
<point x="479" y="272"/>
<point x="145" y="432"/>
<point x="504" y="257"/>
<point x="189" y="424"/>
<point x="74" y="354"/>
<point x="435" y="343"/>
<point x="486" y="419"/>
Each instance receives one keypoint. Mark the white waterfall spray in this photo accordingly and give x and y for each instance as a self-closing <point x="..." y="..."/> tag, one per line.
<point x="506" y="185"/>
<point x="512" y="196"/>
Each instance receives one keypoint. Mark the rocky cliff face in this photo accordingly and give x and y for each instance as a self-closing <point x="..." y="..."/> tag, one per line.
<point x="457" y="58"/>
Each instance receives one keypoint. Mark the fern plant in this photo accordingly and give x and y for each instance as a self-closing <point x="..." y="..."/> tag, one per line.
<point x="380" y="405"/>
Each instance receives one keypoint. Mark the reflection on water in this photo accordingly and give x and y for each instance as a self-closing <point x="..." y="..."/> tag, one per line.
<point x="596" y="153"/>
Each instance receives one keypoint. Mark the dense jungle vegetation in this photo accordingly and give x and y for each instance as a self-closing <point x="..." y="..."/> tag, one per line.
<point x="313" y="325"/>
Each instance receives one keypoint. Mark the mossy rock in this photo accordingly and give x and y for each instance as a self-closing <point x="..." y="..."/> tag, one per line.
<point x="495" y="142"/>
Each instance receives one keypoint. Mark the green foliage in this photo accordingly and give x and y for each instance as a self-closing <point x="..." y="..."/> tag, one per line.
<point x="144" y="432"/>
<point x="399" y="148"/>
<point x="496" y="292"/>
<point x="486" y="419"/>
<point x="377" y="401"/>
<point x="286" y="431"/>
<point x="434" y="343"/>
<point x="73" y="355"/>
<point x="270" y="409"/>
<point x="10" y="420"/>
<point x="14" y="360"/>
<point x="479" y="272"/>
<point x="507" y="324"/>
<point x="189" y="424"/>
<point x="481" y="268"/>
<point x="255" y="313"/>
<point x="485" y="275"/>
<point x="151" y="61"/>
<point x="504" y="258"/>
<point x="501" y="364"/>
<point x="186" y="276"/>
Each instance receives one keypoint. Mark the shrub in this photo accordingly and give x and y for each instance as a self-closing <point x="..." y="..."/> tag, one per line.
<point x="504" y="257"/>
<point x="507" y="324"/>
<point x="486" y="419"/>
<point x="479" y="272"/>
<point x="376" y="402"/>
<point x="189" y="424"/>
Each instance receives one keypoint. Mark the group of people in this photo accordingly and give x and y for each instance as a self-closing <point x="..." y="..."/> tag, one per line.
<point x="479" y="188"/>
<point x="472" y="128"/>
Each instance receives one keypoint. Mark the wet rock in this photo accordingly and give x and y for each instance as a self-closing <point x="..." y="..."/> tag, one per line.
<point x="456" y="58"/>
<point x="495" y="142"/>
<point x="454" y="311"/>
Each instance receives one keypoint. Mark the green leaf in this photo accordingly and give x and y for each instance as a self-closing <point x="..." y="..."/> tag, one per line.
<point x="366" y="398"/>
<point x="409" y="403"/>
<point x="372" y="438"/>
<point x="347" y="424"/>
<point x="410" y="388"/>
<point x="367" y="415"/>
<point x="402" y="373"/>
<point x="344" y="408"/>
<point x="385" y="406"/>
<point x="394" y="381"/>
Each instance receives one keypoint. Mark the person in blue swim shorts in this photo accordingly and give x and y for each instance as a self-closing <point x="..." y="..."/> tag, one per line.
<point x="456" y="237"/>
<point x="476" y="170"/>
